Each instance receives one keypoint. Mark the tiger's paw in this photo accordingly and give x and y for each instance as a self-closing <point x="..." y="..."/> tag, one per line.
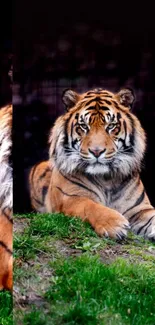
<point x="114" y="226"/>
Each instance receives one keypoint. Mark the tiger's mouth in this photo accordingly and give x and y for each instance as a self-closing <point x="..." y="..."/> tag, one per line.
<point x="104" y="162"/>
<point x="107" y="164"/>
<point x="99" y="161"/>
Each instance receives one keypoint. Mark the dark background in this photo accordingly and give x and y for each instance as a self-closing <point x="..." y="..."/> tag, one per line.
<point x="81" y="47"/>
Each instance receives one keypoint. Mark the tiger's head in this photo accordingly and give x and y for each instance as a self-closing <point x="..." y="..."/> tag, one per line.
<point x="98" y="134"/>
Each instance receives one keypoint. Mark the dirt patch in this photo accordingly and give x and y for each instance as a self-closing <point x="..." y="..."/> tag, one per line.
<point x="20" y="224"/>
<point x="150" y="251"/>
<point x="36" y="281"/>
<point x="110" y="254"/>
<point x="37" y="274"/>
<point x="64" y="248"/>
<point x="136" y="255"/>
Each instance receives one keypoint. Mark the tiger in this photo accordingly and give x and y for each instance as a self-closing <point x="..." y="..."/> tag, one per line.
<point x="96" y="153"/>
<point x="6" y="199"/>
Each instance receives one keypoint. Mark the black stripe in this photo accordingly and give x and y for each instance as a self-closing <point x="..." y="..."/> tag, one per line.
<point x="125" y="128"/>
<point x="147" y="227"/>
<point x="116" y="190"/>
<point x="72" y="128"/>
<point x="91" y="92"/>
<point x="88" y="96"/>
<point x="128" y="149"/>
<point x="116" y="104"/>
<point x="77" y="117"/>
<point x="105" y="95"/>
<point x="107" y="102"/>
<point x="119" y="116"/>
<point x="94" y="114"/>
<point x="136" y="215"/>
<point x="37" y="201"/>
<point x="132" y="135"/>
<point x="112" y="118"/>
<point x="98" y="99"/>
<point x="44" y="192"/>
<point x="32" y="176"/>
<point x="95" y="92"/>
<point x="92" y="179"/>
<point x="6" y="248"/>
<point x="32" y="181"/>
<point x="86" y="113"/>
<point x="147" y="223"/>
<point x="139" y="200"/>
<point x="74" y="143"/>
<point x="7" y="215"/>
<point x="65" y="131"/>
<point x="90" y="101"/>
<point x="44" y="173"/>
<point x="65" y="192"/>
<point x="34" y="169"/>
<point x="104" y="108"/>
<point x="81" y="185"/>
<point x="95" y="99"/>
<point x="90" y="108"/>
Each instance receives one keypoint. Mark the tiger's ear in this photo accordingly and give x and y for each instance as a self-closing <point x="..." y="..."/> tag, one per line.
<point x="69" y="98"/>
<point x="126" y="97"/>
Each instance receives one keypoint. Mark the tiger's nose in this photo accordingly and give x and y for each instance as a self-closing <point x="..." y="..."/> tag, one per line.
<point x="96" y="151"/>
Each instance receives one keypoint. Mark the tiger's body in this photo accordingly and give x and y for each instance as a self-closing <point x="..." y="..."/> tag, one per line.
<point x="6" y="199"/>
<point x="93" y="172"/>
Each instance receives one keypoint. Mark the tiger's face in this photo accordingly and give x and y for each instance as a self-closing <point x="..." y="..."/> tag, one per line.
<point x="98" y="134"/>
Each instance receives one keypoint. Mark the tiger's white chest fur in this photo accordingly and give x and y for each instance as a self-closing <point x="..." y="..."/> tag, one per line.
<point x="6" y="179"/>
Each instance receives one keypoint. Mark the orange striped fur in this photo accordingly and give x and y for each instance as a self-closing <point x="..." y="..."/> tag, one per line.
<point x="95" y="157"/>
<point x="6" y="201"/>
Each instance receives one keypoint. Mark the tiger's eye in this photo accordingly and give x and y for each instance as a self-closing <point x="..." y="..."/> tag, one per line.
<point x="111" y="126"/>
<point x="84" y="126"/>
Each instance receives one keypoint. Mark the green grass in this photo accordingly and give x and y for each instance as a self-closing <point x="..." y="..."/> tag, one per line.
<point x="57" y="225"/>
<point x="81" y="278"/>
<point x="6" y="316"/>
<point x="36" y="236"/>
<point x="91" y="289"/>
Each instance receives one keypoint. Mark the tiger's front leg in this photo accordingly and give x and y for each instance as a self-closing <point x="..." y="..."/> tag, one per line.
<point x="106" y="222"/>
